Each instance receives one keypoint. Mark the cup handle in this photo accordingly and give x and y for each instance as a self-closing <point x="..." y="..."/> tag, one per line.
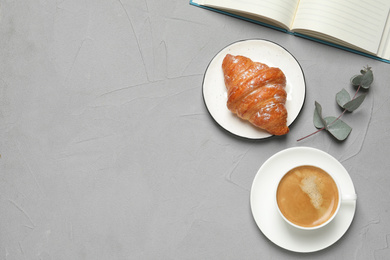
<point x="348" y="197"/>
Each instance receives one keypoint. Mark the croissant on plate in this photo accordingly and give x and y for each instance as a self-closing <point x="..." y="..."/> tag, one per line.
<point x="256" y="93"/>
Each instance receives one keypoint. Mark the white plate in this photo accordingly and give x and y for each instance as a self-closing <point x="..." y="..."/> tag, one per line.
<point x="215" y="94"/>
<point x="264" y="207"/>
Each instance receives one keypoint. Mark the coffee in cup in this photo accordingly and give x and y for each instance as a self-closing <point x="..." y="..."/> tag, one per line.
<point x="308" y="197"/>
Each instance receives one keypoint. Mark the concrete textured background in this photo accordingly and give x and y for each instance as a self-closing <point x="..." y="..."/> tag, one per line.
<point x="108" y="151"/>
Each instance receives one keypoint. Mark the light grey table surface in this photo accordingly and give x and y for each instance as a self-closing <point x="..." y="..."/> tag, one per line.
<point x="108" y="151"/>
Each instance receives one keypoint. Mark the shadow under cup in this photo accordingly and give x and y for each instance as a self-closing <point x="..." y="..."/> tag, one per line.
<point x="309" y="197"/>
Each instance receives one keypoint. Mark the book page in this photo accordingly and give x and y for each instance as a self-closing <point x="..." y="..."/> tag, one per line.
<point x="281" y="11"/>
<point x="384" y="48"/>
<point x="359" y="23"/>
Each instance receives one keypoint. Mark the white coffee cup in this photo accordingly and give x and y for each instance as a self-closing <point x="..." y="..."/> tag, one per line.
<point x="302" y="189"/>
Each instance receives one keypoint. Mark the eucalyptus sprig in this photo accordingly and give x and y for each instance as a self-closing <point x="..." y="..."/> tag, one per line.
<point x="334" y="125"/>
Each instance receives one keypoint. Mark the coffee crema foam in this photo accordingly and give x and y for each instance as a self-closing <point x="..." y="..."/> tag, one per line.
<point x="307" y="196"/>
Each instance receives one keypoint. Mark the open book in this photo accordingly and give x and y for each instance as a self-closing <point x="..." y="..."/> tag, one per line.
<point x="359" y="26"/>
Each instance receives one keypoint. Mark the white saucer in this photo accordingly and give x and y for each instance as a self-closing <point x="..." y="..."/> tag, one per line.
<point x="215" y="94"/>
<point x="264" y="207"/>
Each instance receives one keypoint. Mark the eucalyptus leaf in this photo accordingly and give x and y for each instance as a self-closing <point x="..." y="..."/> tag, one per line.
<point x="318" y="121"/>
<point x="355" y="103"/>
<point x="334" y="125"/>
<point x="364" y="80"/>
<point x="342" y="97"/>
<point x="367" y="79"/>
<point x="338" y="128"/>
<point x="355" y="80"/>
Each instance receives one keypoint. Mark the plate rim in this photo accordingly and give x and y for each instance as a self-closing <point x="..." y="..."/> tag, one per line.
<point x="323" y="153"/>
<point x="247" y="40"/>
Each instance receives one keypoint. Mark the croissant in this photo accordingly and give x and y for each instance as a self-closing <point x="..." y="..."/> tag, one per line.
<point x="256" y="93"/>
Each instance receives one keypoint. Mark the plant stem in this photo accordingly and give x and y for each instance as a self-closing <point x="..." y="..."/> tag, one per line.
<point x="319" y="130"/>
